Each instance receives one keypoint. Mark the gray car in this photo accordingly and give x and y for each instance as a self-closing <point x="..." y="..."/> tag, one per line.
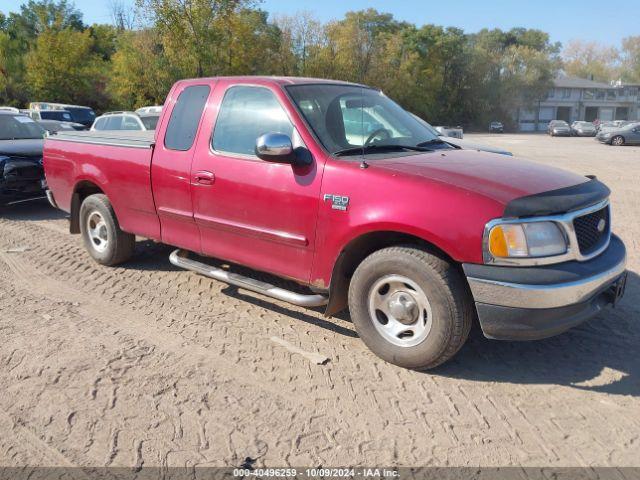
<point x="583" y="129"/>
<point x="463" y="144"/>
<point x="626" y="135"/>
<point x="559" y="128"/>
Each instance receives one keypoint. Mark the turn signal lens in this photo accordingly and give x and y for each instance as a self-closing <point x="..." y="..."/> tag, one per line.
<point x="508" y="240"/>
<point x="498" y="243"/>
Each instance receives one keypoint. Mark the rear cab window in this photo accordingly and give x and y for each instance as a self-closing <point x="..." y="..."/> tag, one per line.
<point x="185" y="117"/>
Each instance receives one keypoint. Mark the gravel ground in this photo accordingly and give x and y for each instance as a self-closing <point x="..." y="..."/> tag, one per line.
<point x="149" y="365"/>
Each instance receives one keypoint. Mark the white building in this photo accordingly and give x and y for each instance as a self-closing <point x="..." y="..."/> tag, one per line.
<point x="574" y="99"/>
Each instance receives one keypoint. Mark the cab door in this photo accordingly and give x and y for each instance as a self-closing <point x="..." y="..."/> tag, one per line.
<point x="251" y="211"/>
<point x="171" y="166"/>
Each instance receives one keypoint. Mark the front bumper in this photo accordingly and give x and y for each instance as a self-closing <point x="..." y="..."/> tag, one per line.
<point x="528" y="303"/>
<point x="20" y="180"/>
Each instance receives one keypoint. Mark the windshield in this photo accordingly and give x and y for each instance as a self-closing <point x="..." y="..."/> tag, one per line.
<point x="345" y="117"/>
<point x="19" y="127"/>
<point x="150" y="122"/>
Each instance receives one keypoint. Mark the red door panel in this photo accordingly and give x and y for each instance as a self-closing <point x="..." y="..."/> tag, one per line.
<point x="254" y="212"/>
<point x="171" y="169"/>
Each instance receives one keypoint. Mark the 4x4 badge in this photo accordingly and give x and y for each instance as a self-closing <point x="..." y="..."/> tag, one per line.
<point x="338" y="202"/>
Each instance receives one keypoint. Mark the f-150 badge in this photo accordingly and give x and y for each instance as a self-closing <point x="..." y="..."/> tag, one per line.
<point x="338" y="202"/>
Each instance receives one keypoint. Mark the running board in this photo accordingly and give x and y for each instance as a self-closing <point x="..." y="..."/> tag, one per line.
<point x="180" y="258"/>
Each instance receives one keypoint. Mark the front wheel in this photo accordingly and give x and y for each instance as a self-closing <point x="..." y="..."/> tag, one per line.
<point x="618" y="141"/>
<point x="410" y="307"/>
<point x="104" y="240"/>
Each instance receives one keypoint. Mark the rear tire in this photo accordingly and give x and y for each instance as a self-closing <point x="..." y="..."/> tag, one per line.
<point x="410" y="307"/>
<point x="104" y="240"/>
<point x="617" y="141"/>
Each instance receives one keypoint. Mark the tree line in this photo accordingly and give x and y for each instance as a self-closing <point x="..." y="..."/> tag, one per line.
<point x="445" y="75"/>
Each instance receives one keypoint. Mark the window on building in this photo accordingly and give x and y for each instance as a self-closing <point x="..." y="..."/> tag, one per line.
<point x="246" y="113"/>
<point x="588" y="94"/>
<point x="551" y="93"/>
<point x="599" y="94"/>
<point x="566" y="93"/>
<point x="611" y="94"/>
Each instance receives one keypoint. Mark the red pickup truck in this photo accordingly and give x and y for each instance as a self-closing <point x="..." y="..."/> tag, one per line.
<point x="334" y="186"/>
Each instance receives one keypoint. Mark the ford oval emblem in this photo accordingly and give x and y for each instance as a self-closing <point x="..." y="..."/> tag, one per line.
<point x="601" y="225"/>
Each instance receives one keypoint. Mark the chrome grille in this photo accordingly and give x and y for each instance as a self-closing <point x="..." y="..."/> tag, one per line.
<point x="588" y="235"/>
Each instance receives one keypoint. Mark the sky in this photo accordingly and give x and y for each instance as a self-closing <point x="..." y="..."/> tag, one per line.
<point x="564" y="20"/>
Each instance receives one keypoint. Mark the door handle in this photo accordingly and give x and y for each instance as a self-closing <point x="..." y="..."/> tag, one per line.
<point x="204" y="178"/>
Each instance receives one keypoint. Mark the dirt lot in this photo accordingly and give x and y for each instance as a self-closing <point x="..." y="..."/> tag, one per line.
<point x="149" y="365"/>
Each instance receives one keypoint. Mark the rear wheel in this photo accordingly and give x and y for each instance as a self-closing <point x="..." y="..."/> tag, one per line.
<point x="410" y="307"/>
<point x="618" y="141"/>
<point x="104" y="240"/>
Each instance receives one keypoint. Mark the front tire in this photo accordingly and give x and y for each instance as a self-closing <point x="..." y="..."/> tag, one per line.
<point x="104" y="240"/>
<point x="410" y="307"/>
<point x="617" y="141"/>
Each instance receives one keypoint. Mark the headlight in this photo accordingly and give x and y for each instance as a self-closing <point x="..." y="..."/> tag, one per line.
<point x="525" y="240"/>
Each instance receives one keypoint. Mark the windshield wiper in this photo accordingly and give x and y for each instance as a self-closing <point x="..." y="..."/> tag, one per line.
<point x="433" y="141"/>
<point x="384" y="147"/>
<point x="439" y="141"/>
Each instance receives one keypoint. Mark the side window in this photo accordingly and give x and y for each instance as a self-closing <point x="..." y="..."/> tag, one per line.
<point x="245" y="114"/>
<point x="185" y="118"/>
<point x="100" y="124"/>
<point x="130" y="123"/>
<point x="113" y="122"/>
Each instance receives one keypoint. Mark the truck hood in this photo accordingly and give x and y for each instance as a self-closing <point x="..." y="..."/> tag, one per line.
<point x="498" y="177"/>
<point x="21" y="148"/>
<point x="465" y="144"/>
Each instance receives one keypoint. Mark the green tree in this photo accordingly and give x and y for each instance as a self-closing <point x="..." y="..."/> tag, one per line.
<point x="63" y="67"/>
<point x="630" y="59"/>
<point x="195" y="34"/>
<point x="141" y="73"/>
<point x="591" y="60"/>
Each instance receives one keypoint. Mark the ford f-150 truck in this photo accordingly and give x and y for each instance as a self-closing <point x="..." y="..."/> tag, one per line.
<point x="336" y="187"/>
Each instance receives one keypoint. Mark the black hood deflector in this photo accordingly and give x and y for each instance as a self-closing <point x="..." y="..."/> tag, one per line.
<point x="558" y="201"/>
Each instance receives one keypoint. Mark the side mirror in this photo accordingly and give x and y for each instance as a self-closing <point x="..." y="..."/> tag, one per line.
<point x="275" y="147"/>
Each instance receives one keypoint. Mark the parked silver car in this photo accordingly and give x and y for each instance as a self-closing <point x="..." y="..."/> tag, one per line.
<point x="583" y="129"/>
<point x="463" y="144"/>
<point x="626" y="135"/>
<point x="559" y="128"/>
<point x="119" y="121"/>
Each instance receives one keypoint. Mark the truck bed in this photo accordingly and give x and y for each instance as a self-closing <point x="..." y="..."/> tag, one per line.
<point x="116" y="138"/>
<point x="118" y="163"/>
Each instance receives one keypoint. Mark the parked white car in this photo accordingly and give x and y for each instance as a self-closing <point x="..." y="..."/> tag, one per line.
<point x="154" y="109"/>
<point x="455" y="132"/>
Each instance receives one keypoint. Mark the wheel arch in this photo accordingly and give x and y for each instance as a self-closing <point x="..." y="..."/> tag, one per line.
<point x="360" y="248"/>
<point x="81" y="190"/>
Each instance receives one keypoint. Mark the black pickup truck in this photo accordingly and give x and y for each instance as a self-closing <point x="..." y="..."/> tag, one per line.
<point x="21" y="172"/>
